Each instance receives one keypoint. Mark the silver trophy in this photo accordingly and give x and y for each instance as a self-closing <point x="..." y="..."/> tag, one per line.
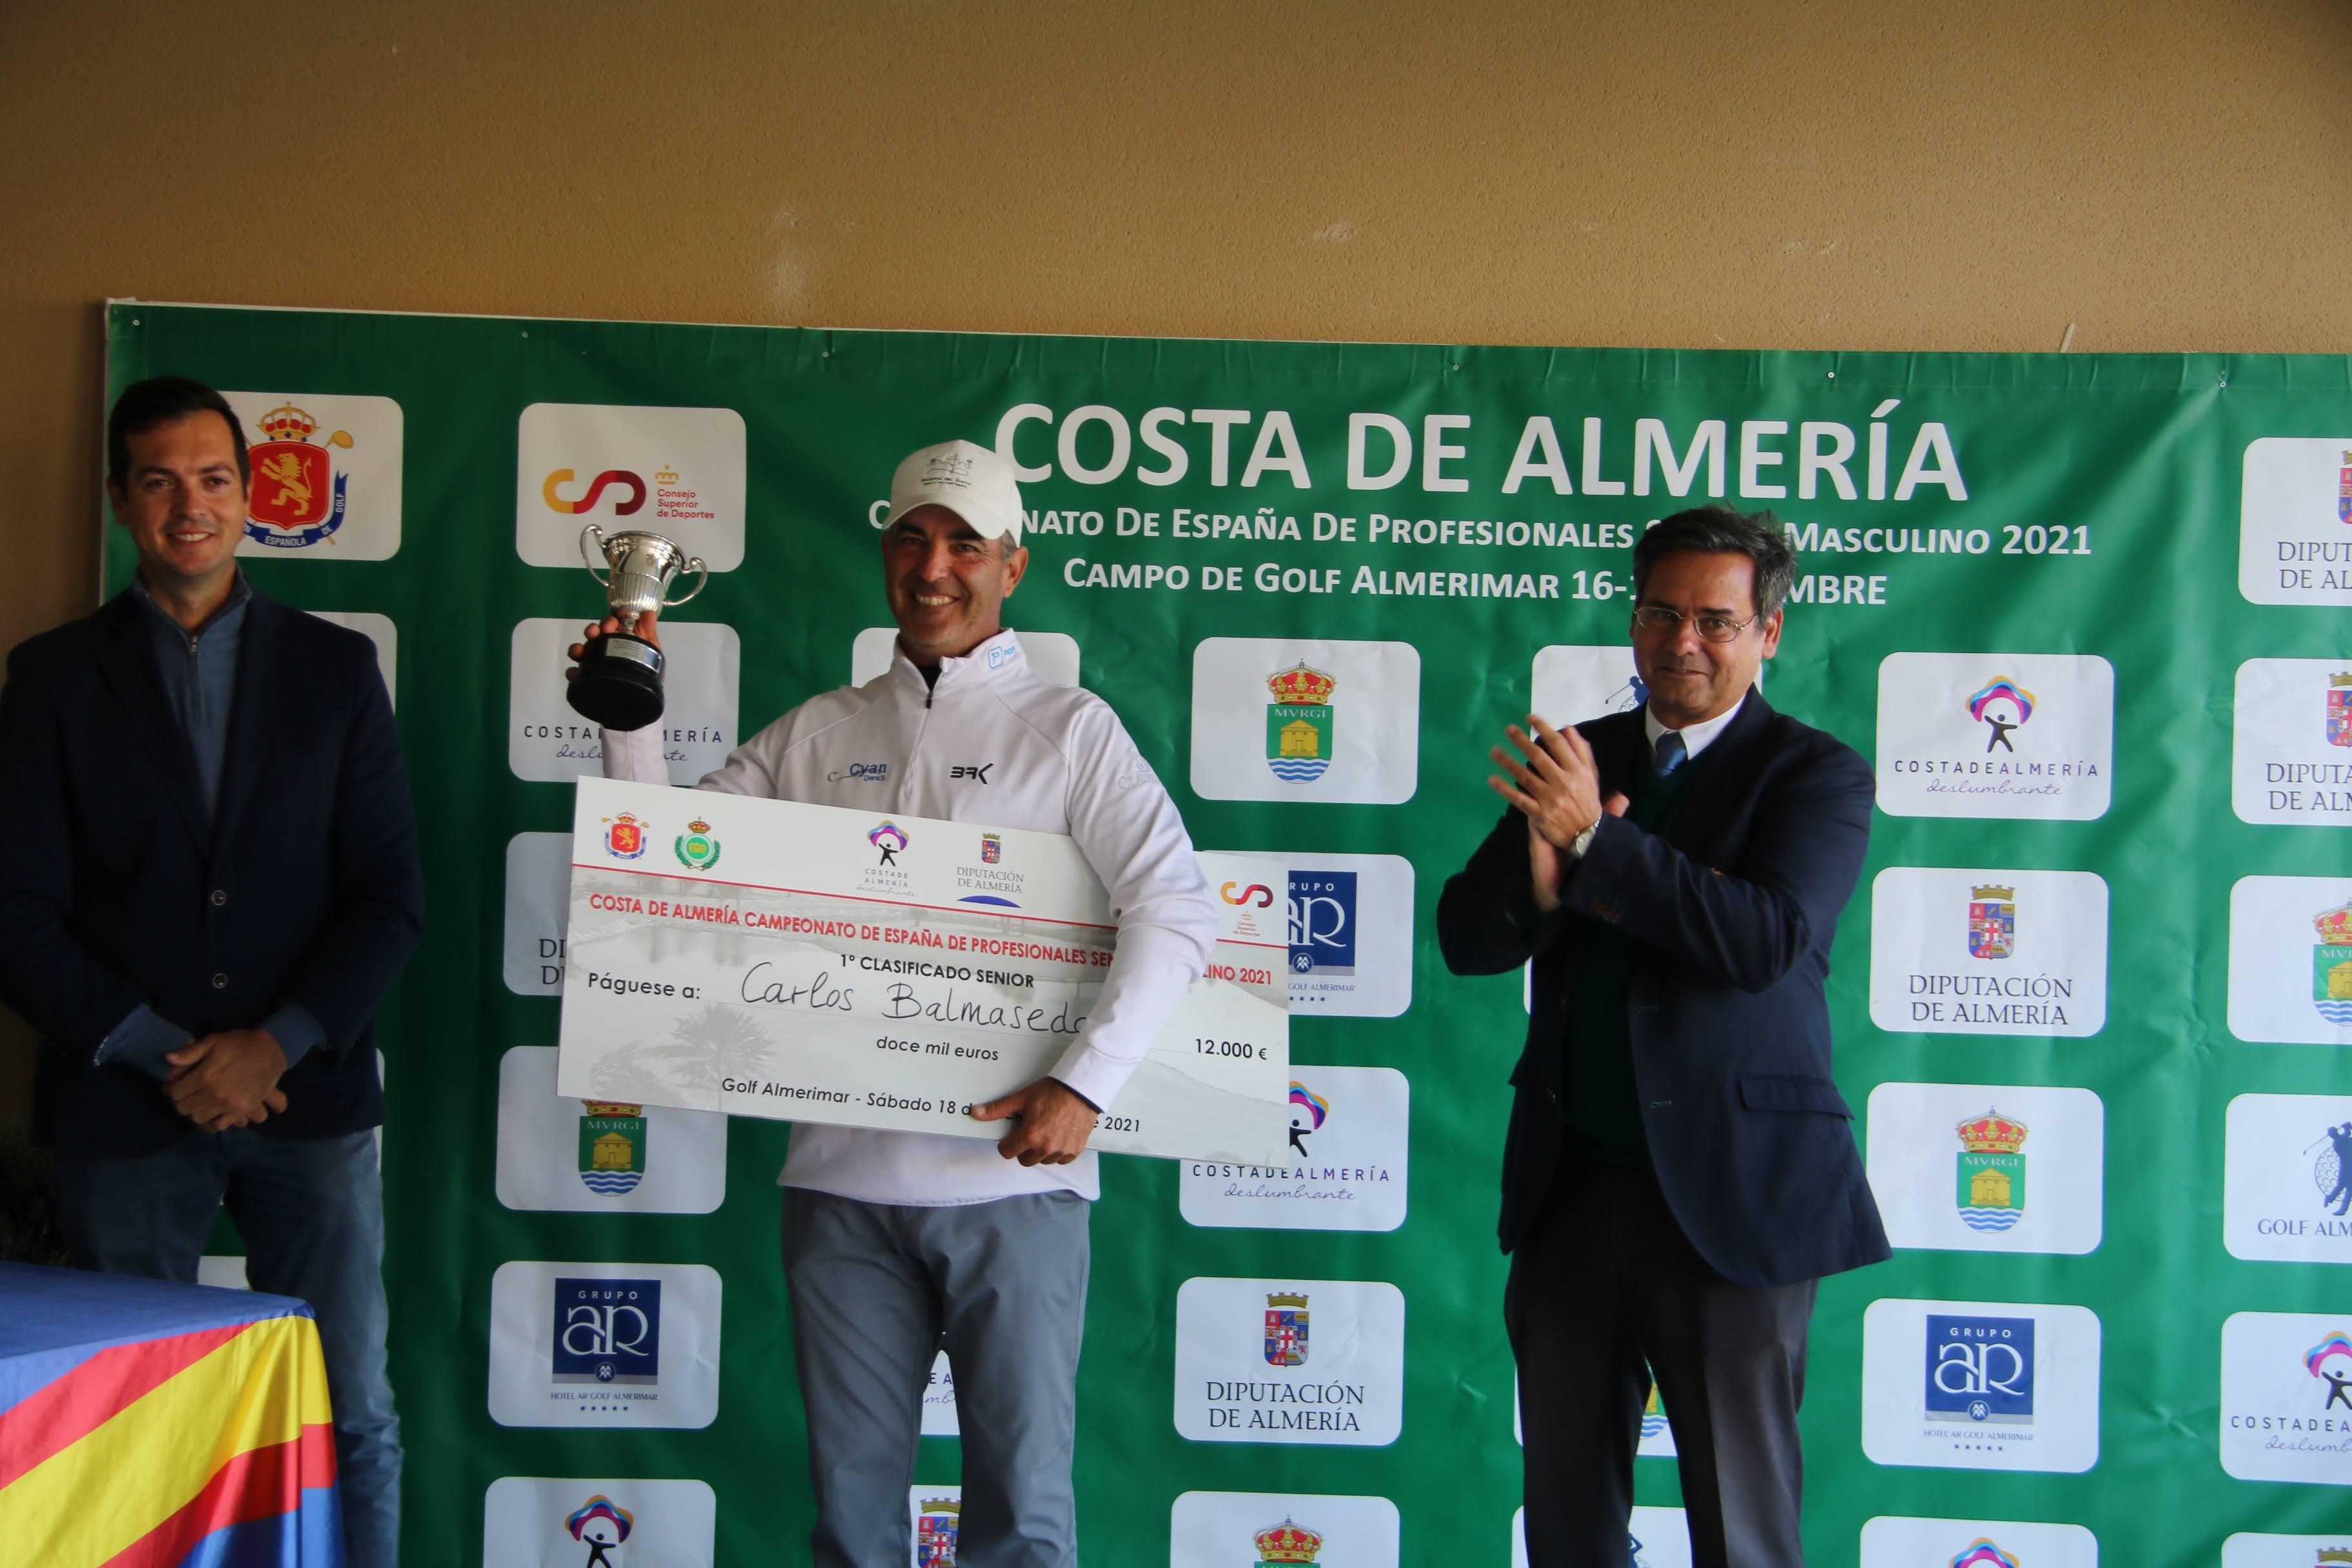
<point x="619" y="682"/>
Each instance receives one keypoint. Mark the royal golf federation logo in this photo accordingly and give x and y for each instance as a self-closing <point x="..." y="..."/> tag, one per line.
<point x="603" y="1344"/>
<point x="1266" y="712"/>
<point x="2294" y="546"/>
<point x="550" y="1521"/>
<point x="612" y="1146"/>
<point x="624" y="836"/>
<point x="1298" y="725"/>
<point x="679" y="472"/>
<point x="325" y="474"/>
<point x="1347" y="1163"/>
<point x="1978" y="951"/>
<point x="607" y="1330"/>
<point x="1980" y="1386"/>
<point x="1989" y="1185"/>
<point x="2291" y="742"/>
<point x="697" y="846"/>
<point x="2286" y="1397"/>
<point x="1895" y="1541"/>
<point x="2028" y="736"/>
<point x="1247" y="1372"/>
<point x="1992" y="922"/>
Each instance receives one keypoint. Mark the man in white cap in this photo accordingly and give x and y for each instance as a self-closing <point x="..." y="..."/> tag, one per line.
<point x="897" y="1244"/>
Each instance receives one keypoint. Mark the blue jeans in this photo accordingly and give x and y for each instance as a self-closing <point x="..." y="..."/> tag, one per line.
<point x="311" y="1213"/>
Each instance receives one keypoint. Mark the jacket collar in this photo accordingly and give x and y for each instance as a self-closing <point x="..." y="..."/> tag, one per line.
<point x="993" y="660"/>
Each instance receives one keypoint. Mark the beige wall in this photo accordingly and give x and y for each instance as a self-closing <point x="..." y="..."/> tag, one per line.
<point x="1841" y="174"/>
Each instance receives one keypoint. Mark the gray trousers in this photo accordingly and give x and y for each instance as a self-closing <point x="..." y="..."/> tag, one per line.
<point x="1606" y="1290"/>
<point x="878" y="1291"/>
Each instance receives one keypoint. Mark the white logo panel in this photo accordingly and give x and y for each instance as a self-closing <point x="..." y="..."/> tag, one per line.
<point x="538" y="907"/>
<point x="1658" y="1538"/>
<point x="545" y="1521"/>
<point x="2291" y="741"/>
<point x="938" y="1400"/>
<point x="1218" y="1529"/>
<point x="678" y="472"/>
<point x="2012" y="735"/>
<point x="2246" y="1549"/>
<point x="1289" y="1361"/>
<point x="1891" y="1541"/>
<point x="1349" y="923"/>
<point x="1572" y="682"/>
<point x="1980" y="1386"/>
<point x="600" y="1156"/>
<point x="325" y="476"/>
<point x="2295" y="522"/>
<point x="1347" y="1166"/>
<point x="603" y="1344"/>
<point x="2290" y="959"/>
<point x="1958" y="952"/>
<point x="1968" y="1167"/>
<point x="381" y="631"/>
<point x="1052" y="656"/>
<point x="547" y="741"/>
<point x="2286" y="1195"/>
<point x="2286" y="1397"/>
<point x="1295" y="719"/>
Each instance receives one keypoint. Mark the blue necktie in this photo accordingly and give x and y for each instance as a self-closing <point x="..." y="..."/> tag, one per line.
<point x="1672" y="753"/>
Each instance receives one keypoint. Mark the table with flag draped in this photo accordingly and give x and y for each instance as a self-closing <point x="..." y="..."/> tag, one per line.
<point x="146" y="1425"/>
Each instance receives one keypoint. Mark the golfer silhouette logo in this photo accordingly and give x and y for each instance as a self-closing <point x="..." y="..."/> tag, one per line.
<point x="603" y="1524"/>
<point x="2005" y="705"/>
<point x="2332" y="1171"/>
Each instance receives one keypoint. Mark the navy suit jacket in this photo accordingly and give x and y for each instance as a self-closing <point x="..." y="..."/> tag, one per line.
<point x="114" y="892"/>
<point x="1733" y="909"/>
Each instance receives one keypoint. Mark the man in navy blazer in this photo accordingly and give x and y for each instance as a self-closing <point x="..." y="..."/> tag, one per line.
<point x="1680" y="1169"/>
<point x="211" y="881"/>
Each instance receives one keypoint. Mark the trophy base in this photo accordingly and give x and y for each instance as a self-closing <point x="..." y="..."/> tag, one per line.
<point x="619" y="683"/>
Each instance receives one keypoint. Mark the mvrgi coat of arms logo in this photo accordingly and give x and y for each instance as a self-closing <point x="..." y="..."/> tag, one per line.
<point x="1299" y="730"/>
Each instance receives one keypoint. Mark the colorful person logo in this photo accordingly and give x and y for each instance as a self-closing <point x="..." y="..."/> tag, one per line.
<point x="2332" y="1171"/>
<point x="1307" y="1109"/>
<point x="2005" y="705"/>
<point x="1982" y="1553"/>
<point x="2330" y="1360"/>
<point x="603" y="1524"/>
<point x="889" y="838"/>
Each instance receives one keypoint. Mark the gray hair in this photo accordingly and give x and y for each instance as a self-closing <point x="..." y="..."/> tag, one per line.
<point x="1719" y="531"/>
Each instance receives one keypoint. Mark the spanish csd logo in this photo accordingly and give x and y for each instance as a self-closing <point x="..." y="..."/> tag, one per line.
<point x="610" y="479"/>
<point x="300" y="496"/>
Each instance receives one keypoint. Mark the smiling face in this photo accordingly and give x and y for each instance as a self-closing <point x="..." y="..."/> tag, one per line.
<point x="947" y="586"/>
<point x="1690" y="678"/>
<point x="183" y="499"/>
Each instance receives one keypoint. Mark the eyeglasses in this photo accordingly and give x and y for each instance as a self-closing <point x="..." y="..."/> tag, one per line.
<point x="1657" y="621"/>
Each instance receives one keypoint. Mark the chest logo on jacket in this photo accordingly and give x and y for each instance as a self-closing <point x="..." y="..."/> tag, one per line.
<point x="860" y="773"/>
<point x="974" y="771"/>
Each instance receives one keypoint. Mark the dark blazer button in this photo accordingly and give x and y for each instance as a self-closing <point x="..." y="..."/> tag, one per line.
<point x="220" y="897"/>
<point x="220" y="981"/>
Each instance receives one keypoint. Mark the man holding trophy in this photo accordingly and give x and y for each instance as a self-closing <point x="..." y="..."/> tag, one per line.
<point x="895" y="1244"/>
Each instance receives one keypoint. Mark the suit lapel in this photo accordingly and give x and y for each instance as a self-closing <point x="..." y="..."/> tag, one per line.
<point x="252" y="721"/>
<point x="127" y="659"/>
<point x="1620" y="748"/>
<point x="1721" y="771"/>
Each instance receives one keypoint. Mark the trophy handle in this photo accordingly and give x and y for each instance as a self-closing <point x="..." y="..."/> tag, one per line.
<point x="605" y="580"/>
<point x="693" y="563"/>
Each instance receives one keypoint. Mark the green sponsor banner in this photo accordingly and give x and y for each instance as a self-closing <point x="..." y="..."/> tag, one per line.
<point x="2027" y="585"/>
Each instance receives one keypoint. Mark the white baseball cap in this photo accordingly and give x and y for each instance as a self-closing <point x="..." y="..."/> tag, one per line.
<point x="968" y="479"/>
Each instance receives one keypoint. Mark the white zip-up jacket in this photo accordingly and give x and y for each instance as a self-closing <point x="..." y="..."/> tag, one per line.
<point x="990" y="743"/>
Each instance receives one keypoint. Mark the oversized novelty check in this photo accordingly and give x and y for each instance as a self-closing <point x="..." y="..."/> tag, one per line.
<point x="812" y="963"/>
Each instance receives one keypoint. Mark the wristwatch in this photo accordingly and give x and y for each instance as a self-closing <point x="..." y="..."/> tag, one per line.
<point x="1583" y="841"/>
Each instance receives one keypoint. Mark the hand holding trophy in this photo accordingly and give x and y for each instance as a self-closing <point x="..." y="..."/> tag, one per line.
<point x="619" y="682"/>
